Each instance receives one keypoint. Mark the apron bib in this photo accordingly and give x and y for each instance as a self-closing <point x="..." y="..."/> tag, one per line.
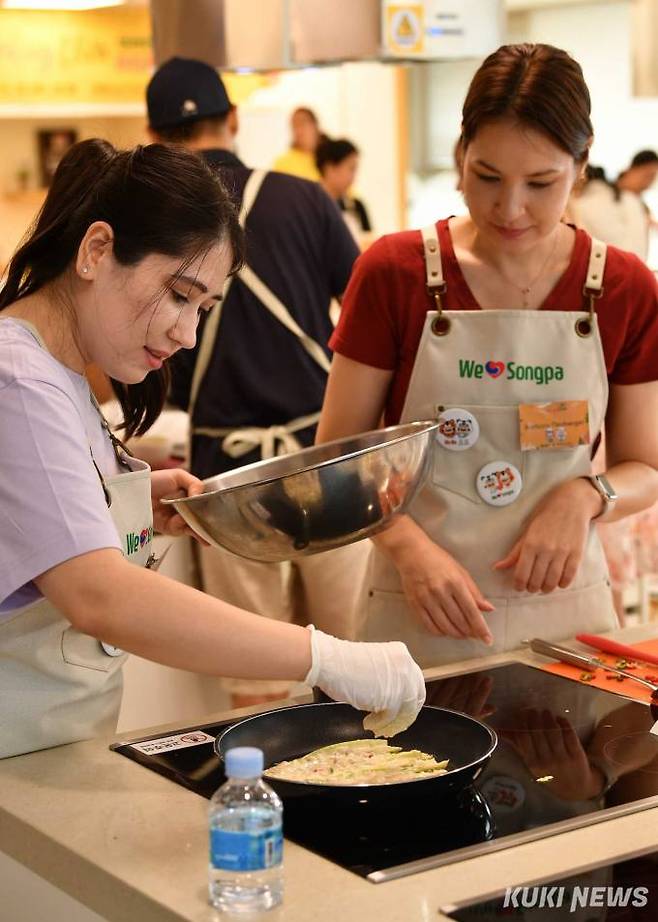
<point x="474" y="369"/>
<point x="58" y="685"/>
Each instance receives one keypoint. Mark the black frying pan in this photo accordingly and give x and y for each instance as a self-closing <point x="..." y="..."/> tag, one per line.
<point x="288" y="733"/>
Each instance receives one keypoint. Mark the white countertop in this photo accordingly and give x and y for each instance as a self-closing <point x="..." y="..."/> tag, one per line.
<point x="131" y="845"/>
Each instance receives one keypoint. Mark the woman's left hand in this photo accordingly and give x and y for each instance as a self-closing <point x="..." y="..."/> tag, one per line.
<point x="172" y="483"/>
<point x="549" y="551"/>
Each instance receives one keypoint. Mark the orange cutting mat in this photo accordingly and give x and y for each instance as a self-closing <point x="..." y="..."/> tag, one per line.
<point x="626" y="687"/>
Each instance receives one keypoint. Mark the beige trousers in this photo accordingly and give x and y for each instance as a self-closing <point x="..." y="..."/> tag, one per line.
<point x="321" y="589"/>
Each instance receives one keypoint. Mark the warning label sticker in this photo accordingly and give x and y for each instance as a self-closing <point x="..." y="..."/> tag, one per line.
<point x="404" y="28"/>
<point x="167" y="743"/>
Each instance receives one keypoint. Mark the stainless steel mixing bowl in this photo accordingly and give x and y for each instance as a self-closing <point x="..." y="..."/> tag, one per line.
<point x="315" y="499"/>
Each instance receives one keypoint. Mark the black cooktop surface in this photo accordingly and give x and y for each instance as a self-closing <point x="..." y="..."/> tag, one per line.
<point x="569" y="754"/>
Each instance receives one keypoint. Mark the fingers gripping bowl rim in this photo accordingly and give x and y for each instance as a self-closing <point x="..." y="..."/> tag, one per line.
<point x="315" y="499"/>
<point x="287" y="733"/>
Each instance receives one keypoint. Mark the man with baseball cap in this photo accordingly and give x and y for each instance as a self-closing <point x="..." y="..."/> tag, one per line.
<point x="254" y="384"/>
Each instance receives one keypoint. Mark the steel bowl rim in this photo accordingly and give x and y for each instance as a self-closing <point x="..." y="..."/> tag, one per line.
<point x="427" y="424"/>
<point x="369" y="787"/>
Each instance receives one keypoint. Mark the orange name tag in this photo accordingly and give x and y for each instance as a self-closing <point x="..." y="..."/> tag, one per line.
<point x="562" y="424"/>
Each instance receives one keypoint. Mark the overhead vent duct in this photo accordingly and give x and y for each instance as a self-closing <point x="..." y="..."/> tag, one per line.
<point x="644" y="47"/>
<point x="267" y="35"/>
<point x="270" y="35"/>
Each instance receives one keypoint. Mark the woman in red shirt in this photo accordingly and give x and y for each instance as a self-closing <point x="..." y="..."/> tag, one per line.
<point x="525" y="339"/>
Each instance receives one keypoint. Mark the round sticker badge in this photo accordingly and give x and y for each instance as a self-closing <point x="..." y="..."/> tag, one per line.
<point x="458" y="430"/>
<point x="499" y="483"/>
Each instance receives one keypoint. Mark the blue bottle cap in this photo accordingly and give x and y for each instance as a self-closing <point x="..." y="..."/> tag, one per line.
<point x="244" y="762"/>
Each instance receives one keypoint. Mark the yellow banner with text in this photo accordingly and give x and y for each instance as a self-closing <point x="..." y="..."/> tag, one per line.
<point x="95" y="56"/>
<point x="99" y="56"/>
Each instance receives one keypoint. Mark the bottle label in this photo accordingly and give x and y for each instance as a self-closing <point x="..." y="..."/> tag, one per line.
<point x="246" y="851"/>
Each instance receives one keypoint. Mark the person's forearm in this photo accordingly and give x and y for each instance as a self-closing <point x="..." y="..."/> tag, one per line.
<point x="636" y="485"/>
<point x="162" y="620"/>
<point x="399" y="537"/>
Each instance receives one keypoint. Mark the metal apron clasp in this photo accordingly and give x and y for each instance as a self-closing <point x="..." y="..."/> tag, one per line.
<point x="585" y="325"/>
<point x="440" y="324"/>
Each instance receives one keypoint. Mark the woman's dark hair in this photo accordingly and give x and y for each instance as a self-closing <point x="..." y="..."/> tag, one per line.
<point x="541" y="87"/>
<point x="333" y="151"/>
<point x="156" y="199"/>
<point x="643" y="157"/>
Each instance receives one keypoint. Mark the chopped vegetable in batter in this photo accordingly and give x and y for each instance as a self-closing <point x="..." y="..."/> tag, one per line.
<point x="359" y="762"/>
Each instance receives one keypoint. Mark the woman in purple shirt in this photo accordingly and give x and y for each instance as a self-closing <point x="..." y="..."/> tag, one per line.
<point x="129" y="248"/>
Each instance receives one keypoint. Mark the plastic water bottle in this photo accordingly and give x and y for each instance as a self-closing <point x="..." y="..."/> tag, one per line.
<point x="246" y="837"/>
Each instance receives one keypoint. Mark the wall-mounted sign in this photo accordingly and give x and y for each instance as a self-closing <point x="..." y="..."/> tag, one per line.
<point x="95" y="56"/>
<point x="429" y="30"/>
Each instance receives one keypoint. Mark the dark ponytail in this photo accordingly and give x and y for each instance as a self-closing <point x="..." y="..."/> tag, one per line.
<point x="157" y="199"/>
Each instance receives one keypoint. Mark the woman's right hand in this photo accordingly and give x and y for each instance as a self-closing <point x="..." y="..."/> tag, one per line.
<point x="378" y="677"/>
<point x="440" y="592"/>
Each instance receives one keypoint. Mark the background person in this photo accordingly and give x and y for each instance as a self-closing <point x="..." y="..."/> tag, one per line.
<point x="338" y="163"/>
<point x="299" y="159"/>
<point x="616" y="216"/>
<point x="129" y="250"/>
<point x="639" y="177"/>
<point x="641" y="174"/>
<point x="254" y="385"/>
<point x="462" y="322"/>
<point x="620" y="217"/>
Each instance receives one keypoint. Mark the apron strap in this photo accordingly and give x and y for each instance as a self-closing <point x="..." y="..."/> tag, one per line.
<point x="209" y="335"/>
<point x="436" y="285"/>
<point x="593" y="287"/>
<point x="596" y="267"/>
<point x="250" y="194"/>
<point x="273" y="440"/>
<point x="432" y="252"/>
<point x="278" y="309"/>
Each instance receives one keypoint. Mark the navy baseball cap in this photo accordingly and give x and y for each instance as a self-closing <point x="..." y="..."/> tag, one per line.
<point x="182" y="91"/>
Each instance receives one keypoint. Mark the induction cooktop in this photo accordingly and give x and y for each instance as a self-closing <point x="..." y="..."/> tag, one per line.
<point x="569" y="755"/>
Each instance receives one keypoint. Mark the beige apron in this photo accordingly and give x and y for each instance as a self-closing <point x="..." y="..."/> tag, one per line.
<point x="58" y="685"/>
<point x="272" y="440"/>
<point x="487" y="363"/>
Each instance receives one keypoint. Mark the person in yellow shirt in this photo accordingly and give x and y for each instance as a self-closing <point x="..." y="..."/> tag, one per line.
<point x="299" y="159"/>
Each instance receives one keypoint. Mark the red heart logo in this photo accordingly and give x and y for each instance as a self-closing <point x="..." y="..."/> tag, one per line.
<point x="495" y="369"/>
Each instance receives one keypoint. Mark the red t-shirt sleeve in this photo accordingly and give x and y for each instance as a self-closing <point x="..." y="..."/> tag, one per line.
<point x="637" y="325"/>
<point x="368" y="330"/>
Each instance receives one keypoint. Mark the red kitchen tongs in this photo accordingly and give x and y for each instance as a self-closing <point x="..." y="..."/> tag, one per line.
<point x="617" y="649"/>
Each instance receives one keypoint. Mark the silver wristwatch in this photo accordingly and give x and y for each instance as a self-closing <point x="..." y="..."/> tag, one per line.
<point x="605" y="490"/>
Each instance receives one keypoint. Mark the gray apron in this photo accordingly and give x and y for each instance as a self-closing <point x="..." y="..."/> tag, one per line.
<point x="479" y="366"/>
<point x="58" y="685"/>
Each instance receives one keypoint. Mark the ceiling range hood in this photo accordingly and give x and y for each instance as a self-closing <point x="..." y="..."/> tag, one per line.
<point x="265" y="35"/>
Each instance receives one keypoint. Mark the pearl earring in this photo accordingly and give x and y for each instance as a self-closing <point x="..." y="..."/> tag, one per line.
<point x="85" y="268"/>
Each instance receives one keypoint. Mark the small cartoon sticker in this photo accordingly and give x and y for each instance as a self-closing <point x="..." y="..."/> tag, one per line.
<point x="499" y="483"/>
<point x="458" y="430"/>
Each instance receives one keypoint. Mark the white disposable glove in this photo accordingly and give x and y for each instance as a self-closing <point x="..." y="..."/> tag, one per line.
<point x="378" y="677"/>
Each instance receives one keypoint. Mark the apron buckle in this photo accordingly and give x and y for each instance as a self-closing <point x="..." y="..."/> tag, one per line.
<point x="440" y="324"/>
<point x="585" y="325"/>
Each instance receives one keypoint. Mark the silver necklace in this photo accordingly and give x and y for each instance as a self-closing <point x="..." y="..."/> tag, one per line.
<point x="527" y="288"/>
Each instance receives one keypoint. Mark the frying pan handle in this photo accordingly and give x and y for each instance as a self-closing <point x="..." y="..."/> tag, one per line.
<point x="564" y="654"/>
